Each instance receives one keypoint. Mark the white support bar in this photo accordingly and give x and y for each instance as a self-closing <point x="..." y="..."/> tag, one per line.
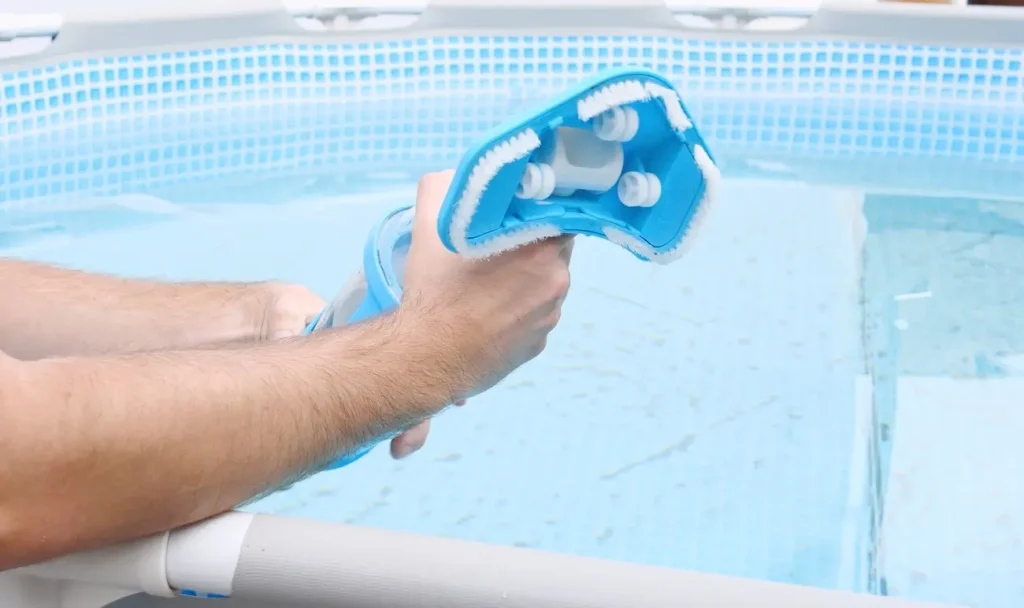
<point x="297" y="562"/>
<point x="203" y="557"/>
<point x="167" y="22"/>
<point x="91" y="579"/>
<point x="913" y="23"/>
<point x="198" y="559"/>
<point x="91" y="27"/>
<point x="14" y="26"/>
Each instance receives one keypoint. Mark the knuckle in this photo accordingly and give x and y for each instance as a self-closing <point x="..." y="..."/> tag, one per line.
<point x="537" y="257"/>
<point x="546" y="251"/>
<point x="554" y="317"/>
<point x="560" y="280"/>
<point x="538" y="347"/>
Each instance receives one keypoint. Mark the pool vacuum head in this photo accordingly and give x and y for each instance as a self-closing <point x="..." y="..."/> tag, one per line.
<point x="618" y="158"/>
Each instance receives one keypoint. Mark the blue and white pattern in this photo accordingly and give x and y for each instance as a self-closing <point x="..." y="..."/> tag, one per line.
<point x="78" y="89"/>
<point x="803" y="97"/>
<point x="101" y="87"/>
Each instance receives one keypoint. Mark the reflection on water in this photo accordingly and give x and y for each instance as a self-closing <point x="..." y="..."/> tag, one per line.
<point x="821" y="392"/>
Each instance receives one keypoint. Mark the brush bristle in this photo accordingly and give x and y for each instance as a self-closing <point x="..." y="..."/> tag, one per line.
<point x="519" y="146"/>
<point x="613" y="95"/>
<point x="486" y="169"/>
<point x="631" y="91"/>
<point x="512" y="239"/>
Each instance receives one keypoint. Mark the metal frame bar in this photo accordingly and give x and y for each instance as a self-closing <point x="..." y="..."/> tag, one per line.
<point x="356" y="11"/>
<point x="273" y="560"/>
<point x="48" y="25"/>
<point x="983" y="25"/>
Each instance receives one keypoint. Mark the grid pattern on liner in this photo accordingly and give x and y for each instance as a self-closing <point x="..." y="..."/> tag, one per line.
<point x="822" y="98"/>
<point x="147" y="151"/>
<point x="43" y="97"/>
<point x="114" y="156"/>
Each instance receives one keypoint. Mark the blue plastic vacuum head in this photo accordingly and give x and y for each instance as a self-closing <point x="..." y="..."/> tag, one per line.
<point x="617" y="157"/>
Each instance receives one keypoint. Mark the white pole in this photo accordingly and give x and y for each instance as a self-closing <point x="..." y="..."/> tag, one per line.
<point x="202" y="558"/>
<point x="139" y="565"/>
<point x="197" y="560"/>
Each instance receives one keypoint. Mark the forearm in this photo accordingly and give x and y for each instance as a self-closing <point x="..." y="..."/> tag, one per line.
<point x="95" y="451"/>
<point x="47" y="311"/>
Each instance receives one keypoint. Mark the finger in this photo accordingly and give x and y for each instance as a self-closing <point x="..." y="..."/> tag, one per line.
<point x="311" y="316"/>
<point x="567" y="247"/>
<point x="410" y="441"/>
<point x="561" y="299"/>
<point x="430" y="193"/>
<point x="565" y="239"/>
<point x="460" y="403"/>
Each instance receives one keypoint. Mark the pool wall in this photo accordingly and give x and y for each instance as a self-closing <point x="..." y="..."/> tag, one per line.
<point x="874" y="105"/>
<point x="896" y="103"/>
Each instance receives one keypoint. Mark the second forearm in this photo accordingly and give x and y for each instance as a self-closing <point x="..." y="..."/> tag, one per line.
<point x="48" y="311"/>
<point x="139" y="444"/>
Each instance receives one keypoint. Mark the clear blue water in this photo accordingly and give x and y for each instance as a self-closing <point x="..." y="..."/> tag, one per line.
<point x="822" y="392"/>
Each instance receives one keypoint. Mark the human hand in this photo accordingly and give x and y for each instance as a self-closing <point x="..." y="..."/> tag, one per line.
<point x="287" y="310"/>
<point x="486" y="317"/>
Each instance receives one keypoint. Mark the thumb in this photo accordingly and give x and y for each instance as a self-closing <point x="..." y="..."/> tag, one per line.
<point x="410" y="441"/>
<point x="430" y="193"/>
<point x="290" y="310"/>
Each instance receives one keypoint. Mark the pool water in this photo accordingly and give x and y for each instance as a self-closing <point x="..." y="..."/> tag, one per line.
<point x="821" y="392"/>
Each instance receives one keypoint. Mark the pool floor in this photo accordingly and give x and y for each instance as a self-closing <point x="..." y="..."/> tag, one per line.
<point x="821" y="392"/>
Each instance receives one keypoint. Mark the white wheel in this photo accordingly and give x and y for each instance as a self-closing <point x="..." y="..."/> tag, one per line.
<point x="538" y="182"/>
<point x="617" y="124"/>
<point x="638" y="189"/>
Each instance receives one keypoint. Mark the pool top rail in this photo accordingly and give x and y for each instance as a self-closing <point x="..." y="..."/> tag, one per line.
<point x="89" y="28"/>
<point x="298" y="562"/>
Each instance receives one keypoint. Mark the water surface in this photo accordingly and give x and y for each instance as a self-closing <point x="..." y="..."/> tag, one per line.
<point x="821" y="392"/>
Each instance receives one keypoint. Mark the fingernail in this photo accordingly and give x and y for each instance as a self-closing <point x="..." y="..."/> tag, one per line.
<point x="402" y="449"/>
